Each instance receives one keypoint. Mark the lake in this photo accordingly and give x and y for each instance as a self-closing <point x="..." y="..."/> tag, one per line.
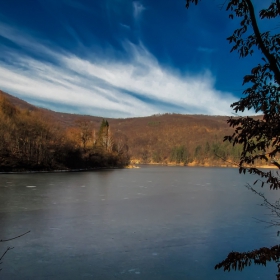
<point x="149" y="223"/>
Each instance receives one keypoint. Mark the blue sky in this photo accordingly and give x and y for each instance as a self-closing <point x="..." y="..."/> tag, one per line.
<point x="120" y="58"/>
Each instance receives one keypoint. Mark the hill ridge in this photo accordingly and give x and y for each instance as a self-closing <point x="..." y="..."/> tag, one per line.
<point x="160" y="138"/>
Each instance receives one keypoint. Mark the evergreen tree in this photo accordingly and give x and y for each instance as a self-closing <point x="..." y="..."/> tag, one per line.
<point x="104" y="137"/>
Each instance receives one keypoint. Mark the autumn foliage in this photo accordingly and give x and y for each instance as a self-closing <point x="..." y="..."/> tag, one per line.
<point x="31" y="141"/>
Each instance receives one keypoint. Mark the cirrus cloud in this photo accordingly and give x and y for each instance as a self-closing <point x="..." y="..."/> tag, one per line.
<point x="106" y="85"/>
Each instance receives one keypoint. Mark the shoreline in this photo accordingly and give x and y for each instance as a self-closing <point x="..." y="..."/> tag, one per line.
<point x="60" y="171"/>
<point x="192" y="164"/>
<point x="130" y="166"/>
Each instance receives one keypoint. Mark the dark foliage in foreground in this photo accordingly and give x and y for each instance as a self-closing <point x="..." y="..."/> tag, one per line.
<point x="260" y="138"/>
<point x="238" y="261"/>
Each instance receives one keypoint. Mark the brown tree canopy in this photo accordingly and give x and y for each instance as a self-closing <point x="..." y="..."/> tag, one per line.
<point x="29" y="140"/>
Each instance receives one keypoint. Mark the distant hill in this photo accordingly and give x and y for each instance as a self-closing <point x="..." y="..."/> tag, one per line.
<point x="18" y="102"/>
<point x="175" y="138"/>
<point x="167" y="138"/>
<point x="64" y="119"/>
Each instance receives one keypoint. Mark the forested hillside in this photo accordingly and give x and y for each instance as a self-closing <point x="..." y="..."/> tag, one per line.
<point x="179" y="139"/>
<point x="32" y="140"/>
<point x="73" y="141"/>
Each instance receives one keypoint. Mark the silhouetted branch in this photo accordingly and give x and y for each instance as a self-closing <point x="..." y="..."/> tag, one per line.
<point x="10" y="248"/>
<point x="228" y="161"/>
<point x="236" y="260"/>
<point x="259" y="137"/>
<point x="5" y="240"/>
<point x="265" y="51"/>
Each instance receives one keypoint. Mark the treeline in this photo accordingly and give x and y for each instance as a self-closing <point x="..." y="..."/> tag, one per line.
<point x="30" y="141"/>
<point x="217" y="153"/>
<point x="194" y="140"/>
<point x="52" y="140"/>
<point x="180" y="139"/>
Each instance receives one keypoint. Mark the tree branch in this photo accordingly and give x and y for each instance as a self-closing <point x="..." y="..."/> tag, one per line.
<point x="270" y="58"/>
<point x="236" y="260"/>
<point x="5" y="240"/>
<point x="8" y="249"/>
<point x="278" y="6"/>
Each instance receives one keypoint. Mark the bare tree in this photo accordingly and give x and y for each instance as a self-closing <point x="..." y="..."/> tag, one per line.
<point x="86" y="132"/>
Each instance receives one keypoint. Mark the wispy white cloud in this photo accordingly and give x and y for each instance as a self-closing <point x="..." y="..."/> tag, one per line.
<point x="107" y="86"/>
<point x="138" y="9"/>
<point x="25" y="40"/>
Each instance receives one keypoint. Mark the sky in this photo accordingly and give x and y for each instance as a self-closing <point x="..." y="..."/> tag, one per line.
<point x="121" y="58"/>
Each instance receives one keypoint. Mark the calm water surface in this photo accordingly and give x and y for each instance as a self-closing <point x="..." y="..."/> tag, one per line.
<point x="148" y="223"/>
